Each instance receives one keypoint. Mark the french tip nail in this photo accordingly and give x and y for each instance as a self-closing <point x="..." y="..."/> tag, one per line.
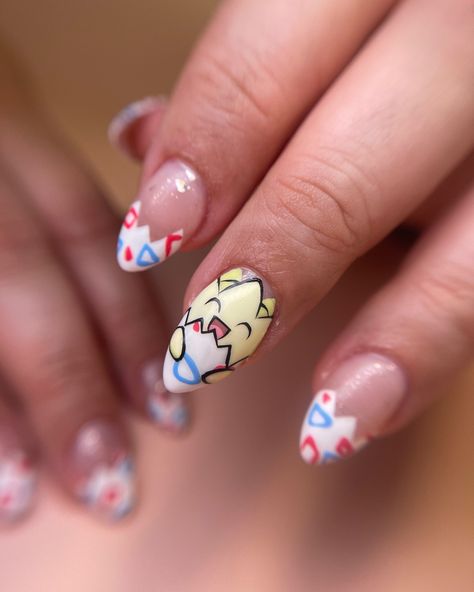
<point x="129" y="115"/>
<point x="100" y="469"/>
<point x="361" y="395"/>
<point x="135" y="249"/>
<point x="110" y="490"/>
<point x="220" y="330"/>
<point x="18" y="481"/>
<point x="168" y="210"/>
<point x="168" y="411"/>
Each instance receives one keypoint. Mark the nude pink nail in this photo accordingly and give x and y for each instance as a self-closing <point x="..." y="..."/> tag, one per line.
<point x="351" y="407"/>
<point x="169" y="209"/>
<point x="100" y="470"/>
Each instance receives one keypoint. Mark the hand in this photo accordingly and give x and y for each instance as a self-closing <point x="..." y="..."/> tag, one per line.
<point x="306" y="132"/>
<point x="76" y="332"/>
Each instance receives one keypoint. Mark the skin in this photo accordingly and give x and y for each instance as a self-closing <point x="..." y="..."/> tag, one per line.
<point x="333" y="187"/>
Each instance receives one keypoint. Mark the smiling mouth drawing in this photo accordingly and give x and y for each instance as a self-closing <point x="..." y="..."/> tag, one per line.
<point x="219" y="328"/>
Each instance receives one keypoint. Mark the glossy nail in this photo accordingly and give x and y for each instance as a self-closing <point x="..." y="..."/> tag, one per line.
<point x="168" y="410"/>
<point x="223" y="327"/>
<point x="168" y="210"/>
<point x="353" y="405"/>
<point x="17" y="485"/>
<point x="101" y="470"/>
<point x="122" y="123"/>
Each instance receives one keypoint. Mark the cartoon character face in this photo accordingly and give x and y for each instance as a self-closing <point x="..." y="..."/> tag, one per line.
<point x="110" y="489"/>
<point x="220" y="330"/>
<point x="17" y="484"/>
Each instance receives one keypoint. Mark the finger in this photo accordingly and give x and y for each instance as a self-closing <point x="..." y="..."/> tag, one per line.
<point x="250" y="81"/>
<point x="344" y="181"/>
<point x="83" y="229"/>
<point x="132" y="130"/>
<point x="402" y="348"/>
<point x="18" y="466"/>
<point x="49" y="354"/>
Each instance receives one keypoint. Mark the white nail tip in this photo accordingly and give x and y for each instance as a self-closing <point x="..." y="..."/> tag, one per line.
<point x="17" y="487"/>
<point x="136" y="251"/>
<point x="110" y="489"/>
<point x="325" y="436"/>
<point x="127" y="116"/>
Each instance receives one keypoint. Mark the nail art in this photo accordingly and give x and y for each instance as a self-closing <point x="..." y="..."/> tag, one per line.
<point x="169" y="207"/>
<point x="223" y="326"/>
<point x="17" y="486"/>
<point x="110" y="489"/>
<point x="168" y="410"/>
<point x="362" y="395"/>
<point x="100" y="469"/>
<point x="327" y="437"/>
<point x="121" y="123"/>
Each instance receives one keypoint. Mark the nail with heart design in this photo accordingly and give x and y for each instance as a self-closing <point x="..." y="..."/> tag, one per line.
<point x="18" y="478"/>
<point x="168" y="210"/>
<point x="100" y="470"/>
<point x="168" y="411"/>
<point x="220" y="330"/>
<point x="352" y="406"/>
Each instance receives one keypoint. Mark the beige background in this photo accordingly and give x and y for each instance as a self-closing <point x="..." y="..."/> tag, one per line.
<point x="232" y="507"/>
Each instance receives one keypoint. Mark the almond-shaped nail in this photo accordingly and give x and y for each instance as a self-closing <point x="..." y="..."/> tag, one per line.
<point x="100" y="470"/>
<point x="169" y="209"/>
<point x="122" y="123"/>
<point x="168" y="411"/>
<point x="223" y="327"/>
<point x="351" y="407"/>
<point x="18" y="480"/>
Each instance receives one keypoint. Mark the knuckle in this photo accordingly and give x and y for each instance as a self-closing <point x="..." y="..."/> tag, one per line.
<point x="242" y="94"/>
<point x="327" y="200"/>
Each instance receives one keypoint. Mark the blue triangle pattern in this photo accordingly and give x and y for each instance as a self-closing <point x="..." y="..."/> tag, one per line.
<point x="147" y="256"/>
<point x="323" y="420"/>
<point x="119" y="245"/>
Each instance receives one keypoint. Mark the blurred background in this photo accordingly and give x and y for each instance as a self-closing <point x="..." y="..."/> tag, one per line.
<point x="232" y="507"/>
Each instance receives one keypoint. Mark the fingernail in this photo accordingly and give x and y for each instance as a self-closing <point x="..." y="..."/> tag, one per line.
<point x="353" y="405"/>
<point x="101" y="470"/>
<point x="168" y="410"/>
<point x="128" y="116"/>
<point x="220" y="330"/>
<point x="169" y="209"/>
<point x="18" y="479"/>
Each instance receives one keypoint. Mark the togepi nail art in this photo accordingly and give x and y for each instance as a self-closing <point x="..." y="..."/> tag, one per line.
<point x="223" y="326"/>
<point x="17" y="486"/>
<point x="135" y="249"/>
<point x="170" y="207"/>
<point x="363" y="393"/>
<point x="325" y="436"/>
<point x="110" y="489"/>
<point x="168" y="410"/>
